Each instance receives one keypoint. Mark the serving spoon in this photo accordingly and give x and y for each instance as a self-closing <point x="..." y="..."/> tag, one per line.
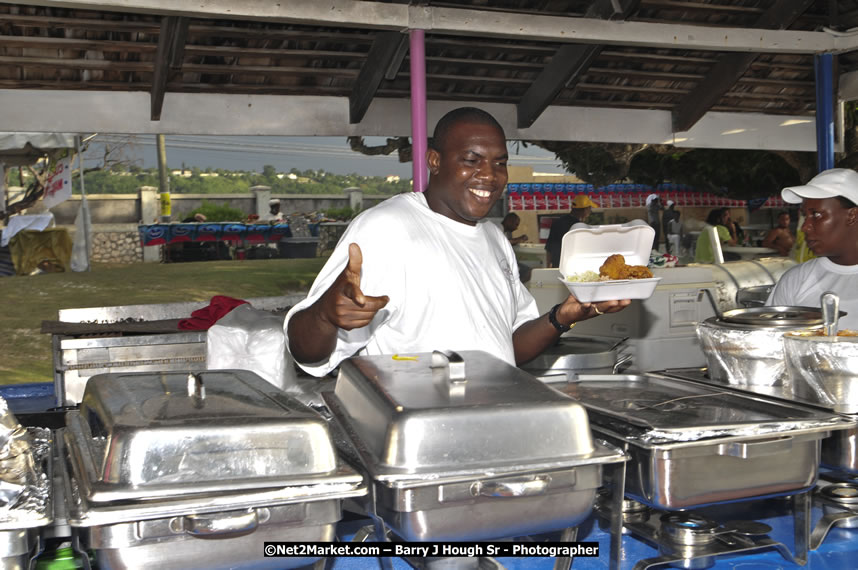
<point x="830" y="312"/>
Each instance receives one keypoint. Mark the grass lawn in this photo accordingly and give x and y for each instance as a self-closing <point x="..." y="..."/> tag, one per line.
<point x="25" y="353"/>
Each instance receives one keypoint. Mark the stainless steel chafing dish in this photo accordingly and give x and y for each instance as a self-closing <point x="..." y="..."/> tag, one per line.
<point x="839" y="450"/>
<point x="156" y="462"/>
<point x="466" y="447"/>
<point x="692" y="444"/>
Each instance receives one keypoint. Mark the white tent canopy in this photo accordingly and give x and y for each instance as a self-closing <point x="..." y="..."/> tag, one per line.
<point x="19" y="149"/>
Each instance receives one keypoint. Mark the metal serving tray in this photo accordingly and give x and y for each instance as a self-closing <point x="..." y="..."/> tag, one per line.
<point x="143" y="534"/>
<point x="465" y="414"/>
<point x="660" y="409"/>
<point x="467" y="459"/>
<point x="142" y="435"/>
<point x="692" y="445"/>
<point x="839" y="450"/>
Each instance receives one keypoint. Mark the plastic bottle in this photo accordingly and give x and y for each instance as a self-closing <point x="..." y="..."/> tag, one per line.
<point x="63" y="558"/>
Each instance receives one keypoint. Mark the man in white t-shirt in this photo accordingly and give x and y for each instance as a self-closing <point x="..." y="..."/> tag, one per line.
<point x="829" y="203"/>
<point x="424" y="271"/>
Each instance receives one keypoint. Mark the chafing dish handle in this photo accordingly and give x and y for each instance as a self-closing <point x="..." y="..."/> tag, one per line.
<point x="452" y="362"/>
<point x="758" y="448"/>
<point x="523" y="487"/>
<point x="220" y="523"/>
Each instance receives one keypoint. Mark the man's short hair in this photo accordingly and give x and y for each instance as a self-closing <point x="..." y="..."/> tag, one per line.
<point x="511" y="216"/>
<point x="456" y="116"/>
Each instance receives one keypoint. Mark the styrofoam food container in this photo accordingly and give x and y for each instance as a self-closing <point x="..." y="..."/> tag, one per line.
<point x="585" y="248"/>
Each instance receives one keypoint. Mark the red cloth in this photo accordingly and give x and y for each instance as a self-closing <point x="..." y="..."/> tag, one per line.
<point x="203" y="319"/>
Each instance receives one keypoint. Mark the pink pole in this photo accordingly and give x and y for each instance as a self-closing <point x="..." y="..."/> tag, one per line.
<point x="417" y="58"/>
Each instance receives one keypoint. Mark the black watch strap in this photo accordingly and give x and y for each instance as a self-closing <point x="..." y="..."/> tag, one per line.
<point x="552" y="318"/>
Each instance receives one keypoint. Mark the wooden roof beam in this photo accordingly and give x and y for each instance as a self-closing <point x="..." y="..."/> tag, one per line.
<point x="731" y="67"/>
<point x="383" y="61"/>
<point x="568" y="64"/>
<point x="168" y="59"/>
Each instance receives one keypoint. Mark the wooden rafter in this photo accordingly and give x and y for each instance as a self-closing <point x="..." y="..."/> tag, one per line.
<point x="731" y="67"/>
<point x="168" y="59"/>
<point x="568" y="64"/>
<point x="384" y="58"/>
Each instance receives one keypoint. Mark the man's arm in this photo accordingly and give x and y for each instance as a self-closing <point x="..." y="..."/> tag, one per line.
<point x="517" y="240"/>
<point x="313" y="331"/>
<point x="533" y="337"/>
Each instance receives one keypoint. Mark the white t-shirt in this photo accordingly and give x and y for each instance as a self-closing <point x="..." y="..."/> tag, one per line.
<point x="804" y="284"/>
<point x="451" y="286"/>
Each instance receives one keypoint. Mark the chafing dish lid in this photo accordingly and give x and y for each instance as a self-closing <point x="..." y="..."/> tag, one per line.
<point x="160" y="434"/>
<point x="411" y="417"/>
<point x="653" y="407"/>
<point x="780" y="316"/>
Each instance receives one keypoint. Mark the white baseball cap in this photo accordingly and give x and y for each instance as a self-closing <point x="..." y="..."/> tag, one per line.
<point x="826" y="184"/>
<point x="670" y="203"/>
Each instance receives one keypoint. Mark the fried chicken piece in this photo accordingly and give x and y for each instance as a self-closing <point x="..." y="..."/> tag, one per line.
<point x="615" y="268"/>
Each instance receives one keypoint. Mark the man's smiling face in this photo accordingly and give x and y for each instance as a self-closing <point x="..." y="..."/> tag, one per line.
<point x="468" y="172"/>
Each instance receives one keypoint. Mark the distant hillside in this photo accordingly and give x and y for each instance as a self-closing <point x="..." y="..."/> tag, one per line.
<point x="219" y="181"/>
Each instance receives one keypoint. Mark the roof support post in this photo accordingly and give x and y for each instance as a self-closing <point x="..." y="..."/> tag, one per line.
<point x="417" y="60"/>
<point x="823" y="67"/>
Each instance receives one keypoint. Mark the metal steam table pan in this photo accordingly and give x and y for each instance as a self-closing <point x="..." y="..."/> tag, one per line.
<point x="692" y="444"/>
<point x="467" y="447"/>
<point x="149" y="435"/>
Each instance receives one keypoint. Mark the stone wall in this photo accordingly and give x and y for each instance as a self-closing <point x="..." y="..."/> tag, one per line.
<point x="116" y="247"/>
<point x="114" y="243"/>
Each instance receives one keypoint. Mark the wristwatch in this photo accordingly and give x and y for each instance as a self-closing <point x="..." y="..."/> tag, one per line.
<point x="552" y="318"/>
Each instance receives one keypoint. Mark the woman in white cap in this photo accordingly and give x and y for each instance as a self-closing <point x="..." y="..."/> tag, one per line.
<point x="829" y="203"/>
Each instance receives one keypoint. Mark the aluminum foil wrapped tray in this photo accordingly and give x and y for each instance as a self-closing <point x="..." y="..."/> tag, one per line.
<point x="744" y="347"/>
<point x="148" y="435"/>
<point x="823" y="369"/>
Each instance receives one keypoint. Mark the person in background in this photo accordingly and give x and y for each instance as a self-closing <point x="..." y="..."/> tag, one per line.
<point x="653" y="207"/>
<point x="274" y="214"/>
<point x="736" y="231"/>
<point x="509" y="224"/>
<point x="196" y="218"/>
<point x="829" y="203"/>
<point x="780" y="237"/>
<point x="671" y="226"/>
<point x="425" y="271"/>
<point x="800" y="252"/>
<point x="720" y="219"/>
<point x="582" y="206"/>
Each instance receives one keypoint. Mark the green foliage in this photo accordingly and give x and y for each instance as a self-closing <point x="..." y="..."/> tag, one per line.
<point x="215" y="213"/>
<point x="107" y="182"/>
<point x="346" y="213"/>
<point x="219" y="181"/>
<point x="744" y="174"/>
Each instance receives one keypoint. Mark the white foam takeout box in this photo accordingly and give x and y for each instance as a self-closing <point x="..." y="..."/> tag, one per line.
<point x="585" y="248"/>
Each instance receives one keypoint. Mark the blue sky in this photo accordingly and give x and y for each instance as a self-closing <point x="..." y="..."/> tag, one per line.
<point x="284" y="153"/>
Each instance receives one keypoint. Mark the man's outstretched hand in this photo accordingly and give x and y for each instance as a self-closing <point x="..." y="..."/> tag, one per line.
<point x="344" y="305"/>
